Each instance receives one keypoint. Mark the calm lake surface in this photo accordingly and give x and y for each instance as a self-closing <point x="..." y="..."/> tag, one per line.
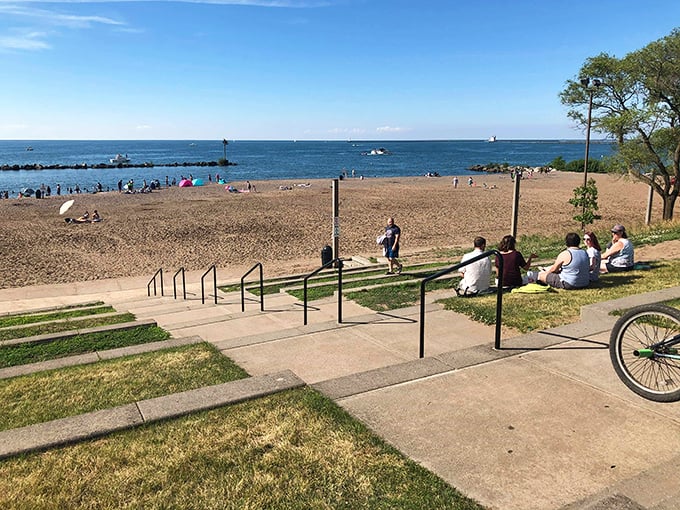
<point x="269" y="160"/>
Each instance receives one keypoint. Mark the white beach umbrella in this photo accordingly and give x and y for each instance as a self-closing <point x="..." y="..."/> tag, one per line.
<point x="66" y="206"/>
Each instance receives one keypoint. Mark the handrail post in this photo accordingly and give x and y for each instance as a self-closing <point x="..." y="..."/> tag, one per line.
<point x="215" y="282"/>
<point x="261" y="289"/>
<point x="499" y="302"/>
<point x="184" y="284"/>
<point x="243" y="287"/>
<point x="153" y="280"/>
<point x="340" y="264"/>
<point x="214" y="269"/>
<point x="304" y="285"/>
<point x="499" y="298"/>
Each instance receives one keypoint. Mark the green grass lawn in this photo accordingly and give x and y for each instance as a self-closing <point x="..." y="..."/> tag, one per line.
<point x="63" y="313"/>
<point x="54" y="394"/>
<point x="22" y="354"/>
<point x="67" y="325"/>
<point x="291" y="450"/>
<point x="529" y="312"/>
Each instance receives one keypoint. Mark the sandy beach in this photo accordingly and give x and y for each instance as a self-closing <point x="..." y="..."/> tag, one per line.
<point x="286" y="229"/>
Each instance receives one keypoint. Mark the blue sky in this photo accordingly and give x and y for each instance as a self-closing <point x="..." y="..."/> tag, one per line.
<point x="306" y="70"/>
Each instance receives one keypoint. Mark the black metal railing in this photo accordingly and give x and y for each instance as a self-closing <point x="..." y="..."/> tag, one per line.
<point x="243" y="287"/>
<point x="158" y="273"/>
<point x="499" y="295"/>
<point x="184" y="283"/>
<point x="327" y="264"/>
<point x="214" y="272"/>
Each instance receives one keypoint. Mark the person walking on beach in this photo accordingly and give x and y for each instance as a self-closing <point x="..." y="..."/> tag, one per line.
<point x="392" y="238"/>
<point x="455" y="182"/>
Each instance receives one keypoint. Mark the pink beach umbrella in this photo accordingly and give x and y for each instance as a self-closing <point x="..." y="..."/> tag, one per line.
<point x="185" y="183"/>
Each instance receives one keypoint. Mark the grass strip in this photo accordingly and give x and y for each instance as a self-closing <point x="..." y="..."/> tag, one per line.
<point x="21" y="319"/>
<point x="393" y="297"/>
<point x="67" y="325"/>
<point x="530" y="312"/>
<point x="75" y="390"/>
<point x="291" y="450"/>
<point x="22" y="354"/>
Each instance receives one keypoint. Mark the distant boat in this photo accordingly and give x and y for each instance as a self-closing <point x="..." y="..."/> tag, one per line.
<point x="119" y="159"/>
<point x="381" y="151"/>
<point x="29" y="148"/>
<point x="492" y="139"/>
<point x="192" y="144"/>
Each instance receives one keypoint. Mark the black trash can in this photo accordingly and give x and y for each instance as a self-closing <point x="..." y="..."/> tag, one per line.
<point x="326" y="255"/>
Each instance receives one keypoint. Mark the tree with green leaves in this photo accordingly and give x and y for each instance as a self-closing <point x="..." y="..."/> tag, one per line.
<point x="637" y="104"/>
<point x="585" y="200"/>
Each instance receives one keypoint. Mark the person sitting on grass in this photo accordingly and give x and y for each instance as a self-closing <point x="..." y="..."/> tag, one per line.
<point x="571" y="269"/>
<point x="475" y="276"/>
<point x="594" y="254"/>
<point x="513" y="261"/>
<point x="620" y="255"/>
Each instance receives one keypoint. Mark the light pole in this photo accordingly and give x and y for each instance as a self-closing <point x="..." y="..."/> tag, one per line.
<point x="586" y="83"/>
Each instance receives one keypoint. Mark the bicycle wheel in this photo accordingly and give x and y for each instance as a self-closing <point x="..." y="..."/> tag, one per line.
<point x="649" y="375"/>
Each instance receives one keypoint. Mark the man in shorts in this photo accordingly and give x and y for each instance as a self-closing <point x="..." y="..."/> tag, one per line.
<point x="392" y="237"/>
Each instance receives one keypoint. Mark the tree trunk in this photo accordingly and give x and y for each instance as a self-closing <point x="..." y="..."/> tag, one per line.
<point x="668" y="206"/>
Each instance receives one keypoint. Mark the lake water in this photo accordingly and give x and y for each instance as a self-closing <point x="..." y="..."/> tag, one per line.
<point x="270" y="160"/>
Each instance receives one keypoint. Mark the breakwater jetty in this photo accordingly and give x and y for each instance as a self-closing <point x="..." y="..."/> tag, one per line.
<point x="85" y="166"/>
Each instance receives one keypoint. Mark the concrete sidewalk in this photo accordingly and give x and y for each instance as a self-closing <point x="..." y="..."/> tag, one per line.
<point x="543" y="423"/>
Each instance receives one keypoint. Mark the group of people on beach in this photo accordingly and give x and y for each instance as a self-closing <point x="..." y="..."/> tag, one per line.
<point x="85" y="218"/>
<point x="574" y="268"/>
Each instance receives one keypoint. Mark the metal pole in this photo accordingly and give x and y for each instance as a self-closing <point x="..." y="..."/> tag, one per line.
<point x="515" y="207"/>
<point x="585" y="161"/>
<point x="336" y="219"/>
<point x="339" y="291"/>
<point x="648" y="216"/>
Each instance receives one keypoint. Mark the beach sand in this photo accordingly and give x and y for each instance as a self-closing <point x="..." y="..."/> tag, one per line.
<point x="286" y="229"/>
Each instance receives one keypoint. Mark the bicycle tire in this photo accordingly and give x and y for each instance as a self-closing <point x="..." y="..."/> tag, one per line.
<point x="653" y="378"/>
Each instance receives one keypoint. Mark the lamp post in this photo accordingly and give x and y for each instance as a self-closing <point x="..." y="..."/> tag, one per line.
<point x="586" y="83"/>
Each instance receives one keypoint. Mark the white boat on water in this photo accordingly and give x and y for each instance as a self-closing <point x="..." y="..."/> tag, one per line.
<point x="381" y="151"/>
<point x="492" y="139"/>
<point x="119" y="159"/>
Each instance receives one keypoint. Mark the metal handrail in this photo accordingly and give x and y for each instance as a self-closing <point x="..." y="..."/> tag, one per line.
<point x="327" y="264"/>
<point x="214" y="270"/>
<point x="499" y="295"/>
<point x="184" y="283"/>
<point x="153" y="280"/>
<point x="243" y="292"/>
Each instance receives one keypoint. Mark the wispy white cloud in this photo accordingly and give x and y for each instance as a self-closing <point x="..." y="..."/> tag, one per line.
<point x="31" y="41"/>
<point x="142" y="127"/>
<point x="390" y="129"/>
<point x="55" y="18"/>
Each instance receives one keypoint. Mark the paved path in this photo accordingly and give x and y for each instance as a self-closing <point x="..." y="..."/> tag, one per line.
<point x="543" y="423"/>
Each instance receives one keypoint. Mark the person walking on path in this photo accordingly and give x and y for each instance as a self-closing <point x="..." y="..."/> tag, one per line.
<point x="392" y="238"/>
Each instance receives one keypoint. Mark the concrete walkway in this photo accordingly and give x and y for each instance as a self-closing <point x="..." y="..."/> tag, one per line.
<point x="543" y="423"/>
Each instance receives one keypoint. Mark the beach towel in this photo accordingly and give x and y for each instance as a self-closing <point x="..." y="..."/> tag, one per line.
<point x="531" y="288"/>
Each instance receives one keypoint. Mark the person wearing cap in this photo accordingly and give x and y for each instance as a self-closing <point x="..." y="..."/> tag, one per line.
<point x="571" y="269"/>
<point x="620" y="255"/>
